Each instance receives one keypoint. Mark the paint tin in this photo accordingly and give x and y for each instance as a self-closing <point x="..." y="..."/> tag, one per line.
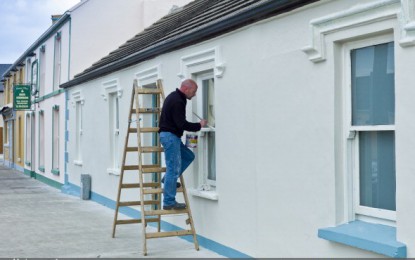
<point x="191" y="140"/>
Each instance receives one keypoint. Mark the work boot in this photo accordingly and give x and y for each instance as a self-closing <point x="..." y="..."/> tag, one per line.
<point x="176" y="206"/>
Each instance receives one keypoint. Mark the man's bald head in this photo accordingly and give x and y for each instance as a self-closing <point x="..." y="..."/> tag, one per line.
<point x="189" y="88"/>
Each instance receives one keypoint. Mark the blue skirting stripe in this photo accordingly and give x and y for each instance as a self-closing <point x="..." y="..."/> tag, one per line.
<point x="75" y="190"/>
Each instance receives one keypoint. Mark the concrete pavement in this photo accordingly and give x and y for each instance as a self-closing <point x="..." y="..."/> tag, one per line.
<point x="39" y="221"/>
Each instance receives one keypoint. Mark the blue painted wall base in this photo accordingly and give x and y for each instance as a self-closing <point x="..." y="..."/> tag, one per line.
<point x="75" y="190"/>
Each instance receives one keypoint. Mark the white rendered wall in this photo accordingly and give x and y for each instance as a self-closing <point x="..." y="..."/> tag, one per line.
<point x="101" y="26"/>
<point x="275" y="139"/>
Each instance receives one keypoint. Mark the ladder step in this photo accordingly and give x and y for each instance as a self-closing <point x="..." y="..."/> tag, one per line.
<point x="145" y="149"/>
<point x="138" y="203"/>
<point x="146" y="168"/>
<point x="146" y="110"/>
<point x="158" y="191"/>
<point x="144" y="130"/>
<point x="169" y="234"/>
<point x="134" y="221"/>
<point x="137" y="185"/>
<point x="164" y="212"/>
<point x="149" y="91"/>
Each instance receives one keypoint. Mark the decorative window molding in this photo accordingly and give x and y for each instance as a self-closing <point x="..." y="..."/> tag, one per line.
<point x="210" y="58"/>
<point x="149" y="75"/>
<point x="359" y="15"/>
<point x="111" y="86"/>
<point x="77" y="97"/>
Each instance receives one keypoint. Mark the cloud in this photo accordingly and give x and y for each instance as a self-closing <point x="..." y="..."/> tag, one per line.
<point x="22" y="22"/>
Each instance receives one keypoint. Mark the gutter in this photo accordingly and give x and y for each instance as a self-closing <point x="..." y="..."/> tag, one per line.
<point x="255" y="13"/>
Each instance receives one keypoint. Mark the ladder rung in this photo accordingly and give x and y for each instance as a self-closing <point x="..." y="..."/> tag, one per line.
<point x="158" y="191"/>
<point x="137" y="185"/>
<point x="148" y="91"/>
<point x="138" y="203"/>
<point x="146" y="110"/>
<point x="146" y="168"/>
<point x="145" y="149"/>
<point x="134" y="221"/>
<point x="154" y="169"/>
<point x="144" y="130"/>
<point x="164" y="212"/>
<point x="169" y="234"/>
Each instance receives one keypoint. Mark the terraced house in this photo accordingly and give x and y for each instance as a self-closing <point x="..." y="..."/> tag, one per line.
<point x="310" y="153"/>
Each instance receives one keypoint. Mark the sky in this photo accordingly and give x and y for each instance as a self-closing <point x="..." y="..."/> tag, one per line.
<point x="22" y="22"/>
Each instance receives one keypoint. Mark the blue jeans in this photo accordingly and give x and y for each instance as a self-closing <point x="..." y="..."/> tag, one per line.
<point x="178" y="158"/>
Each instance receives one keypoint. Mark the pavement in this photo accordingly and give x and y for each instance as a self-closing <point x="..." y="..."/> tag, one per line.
<point x="38" y="221"/>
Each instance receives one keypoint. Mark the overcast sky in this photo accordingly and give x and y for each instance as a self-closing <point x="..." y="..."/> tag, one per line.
<point x="22" y="22"/>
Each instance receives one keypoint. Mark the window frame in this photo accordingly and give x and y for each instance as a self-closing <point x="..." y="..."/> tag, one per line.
<point x="57" y="60"/>
<point x="203" y="146"/>
<point x="352" y="136"/>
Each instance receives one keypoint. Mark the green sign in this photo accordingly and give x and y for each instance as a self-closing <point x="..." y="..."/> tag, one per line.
<point x="21" y="97"/>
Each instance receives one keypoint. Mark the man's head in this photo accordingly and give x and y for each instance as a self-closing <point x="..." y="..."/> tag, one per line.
<point x="188" y="88"/>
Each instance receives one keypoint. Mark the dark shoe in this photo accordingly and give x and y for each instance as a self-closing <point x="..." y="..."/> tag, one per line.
<point x="176" y="206"/>
<point x="178" y="185"/>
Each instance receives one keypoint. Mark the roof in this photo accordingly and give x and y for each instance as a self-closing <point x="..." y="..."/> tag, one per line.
<point x="3" y="68"/>
<point x="196" y="22"/>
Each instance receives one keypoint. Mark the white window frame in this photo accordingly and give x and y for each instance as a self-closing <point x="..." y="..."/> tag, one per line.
<point x="112" y="91"/>
<point x="28" y="141"/>
<point x="41" y="142"/>
<point x="351" y="140"/>
<point x="78" y="102"/>
<point x="55" y="137"/>
<point x="57" y="56"/>
<point x="205" y="183"/>
<point x="42" y="70"/>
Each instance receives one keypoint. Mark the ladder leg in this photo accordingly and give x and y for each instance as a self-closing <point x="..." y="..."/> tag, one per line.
<point x="186" y="200"/>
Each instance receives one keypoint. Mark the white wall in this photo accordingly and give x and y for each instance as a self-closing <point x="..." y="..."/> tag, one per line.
<point x="276" y="138"/>
<point x="101" y="26"/>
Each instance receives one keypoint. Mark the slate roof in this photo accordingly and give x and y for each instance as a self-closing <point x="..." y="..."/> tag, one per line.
<point x="198" y="21"/>
<point x="3" y="69"/>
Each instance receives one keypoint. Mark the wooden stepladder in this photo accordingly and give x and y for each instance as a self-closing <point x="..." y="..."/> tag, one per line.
<point x="149" y="171"/>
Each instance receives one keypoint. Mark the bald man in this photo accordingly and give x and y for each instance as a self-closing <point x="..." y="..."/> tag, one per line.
<point x="172" y="125"/>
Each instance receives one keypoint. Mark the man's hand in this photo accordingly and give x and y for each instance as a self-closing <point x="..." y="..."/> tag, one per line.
<point x="203" y="123"/>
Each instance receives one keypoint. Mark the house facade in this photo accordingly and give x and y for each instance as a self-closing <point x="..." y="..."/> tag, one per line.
<point x="310" y="108"/>
<point x="71" y="44"/>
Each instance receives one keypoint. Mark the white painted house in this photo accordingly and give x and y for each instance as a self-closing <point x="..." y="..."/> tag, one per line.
<point x="310" y="153"/>
<point x="83" y="34"/>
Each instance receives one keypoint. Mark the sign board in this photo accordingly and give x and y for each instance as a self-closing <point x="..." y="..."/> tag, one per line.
<point x="21" y="97"/>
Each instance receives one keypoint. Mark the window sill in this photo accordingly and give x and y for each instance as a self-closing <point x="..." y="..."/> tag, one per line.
<point x="41" y="168"/>
<point x="115" y="172"/>
<point x="79" y="163"/>
<point x="55" y="171"/>
<point x="376" y="238"/>
<point x="210" y="195"/>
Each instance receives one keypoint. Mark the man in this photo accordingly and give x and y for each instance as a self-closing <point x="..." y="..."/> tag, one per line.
<point x="172" y="125"/>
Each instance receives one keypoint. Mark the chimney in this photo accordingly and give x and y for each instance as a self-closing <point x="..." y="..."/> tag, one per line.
<point x="55" y="18"/>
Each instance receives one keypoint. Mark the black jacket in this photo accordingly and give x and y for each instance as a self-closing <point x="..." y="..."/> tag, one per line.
<point x="173" y="115"/>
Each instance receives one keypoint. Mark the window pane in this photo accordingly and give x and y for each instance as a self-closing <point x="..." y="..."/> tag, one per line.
<point x="377" y="169"/>
<point x="211" y="156"/>
<point x="373" y="85"/>
<point x="209" y="101"/>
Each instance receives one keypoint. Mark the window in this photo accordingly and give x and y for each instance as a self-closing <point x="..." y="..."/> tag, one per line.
<point x="28" y="147"/>
<point x="372" y="128"/>
<point x="20" y="139"/>
<point x="78" y="107"/>
<point x="42" y="70"/>
<point x="41" y="141"/>
<point x="57" y="62"/>
<point x="114" y="133"/>
<point x="205" y="108"/>
<point x="55" y="140"/>
<point x="34" y="81"/>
